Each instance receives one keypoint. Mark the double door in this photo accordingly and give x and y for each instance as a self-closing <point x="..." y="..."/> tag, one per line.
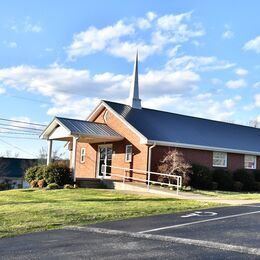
<point x="104" y="160"/>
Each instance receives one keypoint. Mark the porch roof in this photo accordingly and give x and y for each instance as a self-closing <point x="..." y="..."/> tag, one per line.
<point x="65" y="128"/>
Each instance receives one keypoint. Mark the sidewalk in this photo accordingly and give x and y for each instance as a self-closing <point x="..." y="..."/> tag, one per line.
<point x="163" y="192"/>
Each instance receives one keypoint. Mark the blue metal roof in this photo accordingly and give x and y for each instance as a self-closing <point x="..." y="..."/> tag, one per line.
<point x="82" y="127"/>
<point x="175" y="128"/>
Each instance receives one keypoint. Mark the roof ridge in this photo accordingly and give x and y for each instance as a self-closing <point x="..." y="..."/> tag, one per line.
<point x="187" y="116"/>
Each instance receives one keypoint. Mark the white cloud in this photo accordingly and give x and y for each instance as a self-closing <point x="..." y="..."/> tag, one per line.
<point x="198" y="63"/>
<point x="198" y="106"/>
<point x="253" y="45"/>
<point x="11" y="44"/>
<point x="128" y="50"/>
<point x="2" y="90"/>
<point x="151" y="16"/>
<point x="241" y="72"/>
<point x="229" y="103"/>
<point x="93" y="39"/>
<point x="31" y="27"/>
<point x="69" y="88"/>
<point x="235" y="84"/>
<point x="228" y="34"/>
<point x="122" y="38"/>
<point x="257" y="100"/>
<point x="256" y="84"/>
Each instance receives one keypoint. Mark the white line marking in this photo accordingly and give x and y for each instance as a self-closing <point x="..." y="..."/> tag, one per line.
<point x="198" y="222"/>
<point x="186" y="241"/>
<point x="200" y="214"/>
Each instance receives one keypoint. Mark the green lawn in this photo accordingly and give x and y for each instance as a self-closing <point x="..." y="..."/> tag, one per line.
<point x="24" y="211"/>
<point x="229" y="194"/>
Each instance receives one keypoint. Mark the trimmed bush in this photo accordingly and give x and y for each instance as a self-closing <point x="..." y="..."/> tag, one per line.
<point x="257" y="175"/>
<point x="30" y="174"/>
<point x="40" y="172"/>
<point x="53" y="186"/>
<point x="41" y="183"/>
<point x="247" y="178"/>
<point x="201" y="177"/>
<point x="57" y="173"/>
<point x="68" y="186"/>
<point x="257" y="186"/>
<point x="214" y="185"/>
<point x="34" y="184"/>
<point x="224" y="179"/>
<point x="238" y="186"/>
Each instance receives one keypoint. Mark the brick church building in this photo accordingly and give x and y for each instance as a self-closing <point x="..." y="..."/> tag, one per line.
<point x="128" y="136"/>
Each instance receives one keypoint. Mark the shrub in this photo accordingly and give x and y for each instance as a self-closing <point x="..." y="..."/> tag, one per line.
<point x="257" y="175"/>
<point x="53" y="186"/>
<point x="34" y="184"/>
<point x="257" y="186"/>
<point x="201" y="177"/>
<point x="40" y="172"/>
<point x="30" y="174"/>
<point x="214" y="185"/>
<point x="224" y="179"/>
<point x="57" y="173"/>
<point x="41" y="183"/>
<point x="238" y="186"/>
<point x="68" y="186"/>
<point x="246" y="177"/>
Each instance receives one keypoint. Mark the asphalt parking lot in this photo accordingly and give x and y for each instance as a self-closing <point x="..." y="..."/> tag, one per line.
<point x="218" y="233"/>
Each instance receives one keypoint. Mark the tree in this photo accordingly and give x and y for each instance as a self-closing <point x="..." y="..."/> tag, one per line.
<point x="174" y="164"/>
<point x="56" y="156"/>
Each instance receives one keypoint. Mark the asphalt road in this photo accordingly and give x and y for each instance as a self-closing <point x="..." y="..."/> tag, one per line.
<point x="218" y="233"/>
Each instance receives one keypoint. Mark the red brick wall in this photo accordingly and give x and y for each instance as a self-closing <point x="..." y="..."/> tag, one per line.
<point x="234" y="161"/>
<point x="140" y="151"/>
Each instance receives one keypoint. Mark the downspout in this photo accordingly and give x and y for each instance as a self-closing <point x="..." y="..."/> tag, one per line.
<point x="149" y="164"/>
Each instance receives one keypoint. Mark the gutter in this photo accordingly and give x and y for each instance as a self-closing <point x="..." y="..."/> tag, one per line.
<point x="149" y="164"/>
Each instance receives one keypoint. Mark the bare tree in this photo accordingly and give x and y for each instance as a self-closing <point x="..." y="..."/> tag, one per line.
<point x="174" y="164"/>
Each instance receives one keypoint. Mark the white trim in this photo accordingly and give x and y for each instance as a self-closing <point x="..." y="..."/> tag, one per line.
<point x="102" y="105"/>
<point x="255" y="161"/>
<point x="98" y="160"/>
<point x="128" y="160"/>
<point x="225" y="160"/>
<point x="201" y="147"/>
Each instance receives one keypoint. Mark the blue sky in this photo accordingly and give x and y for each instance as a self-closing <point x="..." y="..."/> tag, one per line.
<point x="60" y="58"/>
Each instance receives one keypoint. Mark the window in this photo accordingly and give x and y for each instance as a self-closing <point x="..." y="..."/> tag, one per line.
<point x="219" y="159"/>
<point x="128" y="153"/>
<point x="82" y="155"/>
<point x="250" y="162"/>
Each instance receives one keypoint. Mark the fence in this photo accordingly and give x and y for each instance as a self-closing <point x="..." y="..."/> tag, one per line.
<point x="147" y="180"/>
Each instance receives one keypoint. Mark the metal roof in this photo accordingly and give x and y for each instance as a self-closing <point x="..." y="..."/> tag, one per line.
<point x="82" y="127"/>
<point x="175" y="128"/>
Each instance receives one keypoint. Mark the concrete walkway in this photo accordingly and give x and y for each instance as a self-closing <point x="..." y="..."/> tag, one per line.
<point x="141" y="189"/>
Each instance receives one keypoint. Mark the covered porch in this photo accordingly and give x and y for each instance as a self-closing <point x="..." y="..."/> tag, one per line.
<point x="74" y="131"/>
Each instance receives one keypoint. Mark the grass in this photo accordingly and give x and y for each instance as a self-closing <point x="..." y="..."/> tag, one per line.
<point x="30" y="210"/>
<point x="229" y="194"/>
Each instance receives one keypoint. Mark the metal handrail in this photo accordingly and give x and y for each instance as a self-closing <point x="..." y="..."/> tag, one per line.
<point x="148" y="181"/>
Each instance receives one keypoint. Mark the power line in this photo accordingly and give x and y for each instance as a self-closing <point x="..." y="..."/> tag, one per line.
<point x="22" y="127"/>
<point x="18" y="148"/>
<point x="17" y="121"/>
<point x="19" y="130"/>
<point x="20" y="137"/>
<point x="18" y="133"/>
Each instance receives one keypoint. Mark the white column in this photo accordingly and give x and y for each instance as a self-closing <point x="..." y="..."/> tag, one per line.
<point x="49" y="152"/>
<point x="74" y="153"/>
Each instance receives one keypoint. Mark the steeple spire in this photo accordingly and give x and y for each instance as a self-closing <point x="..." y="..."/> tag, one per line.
<point x="134" y="100"/>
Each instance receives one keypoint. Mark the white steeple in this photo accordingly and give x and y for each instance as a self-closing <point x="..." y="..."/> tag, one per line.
<point x="134" y="101"/>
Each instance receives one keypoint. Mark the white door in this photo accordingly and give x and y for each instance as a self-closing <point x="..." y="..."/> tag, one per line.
<point x="104" y="158"/>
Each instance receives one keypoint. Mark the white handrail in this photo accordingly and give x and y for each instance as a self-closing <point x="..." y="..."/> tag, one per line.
<point x="148" y="181"/>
